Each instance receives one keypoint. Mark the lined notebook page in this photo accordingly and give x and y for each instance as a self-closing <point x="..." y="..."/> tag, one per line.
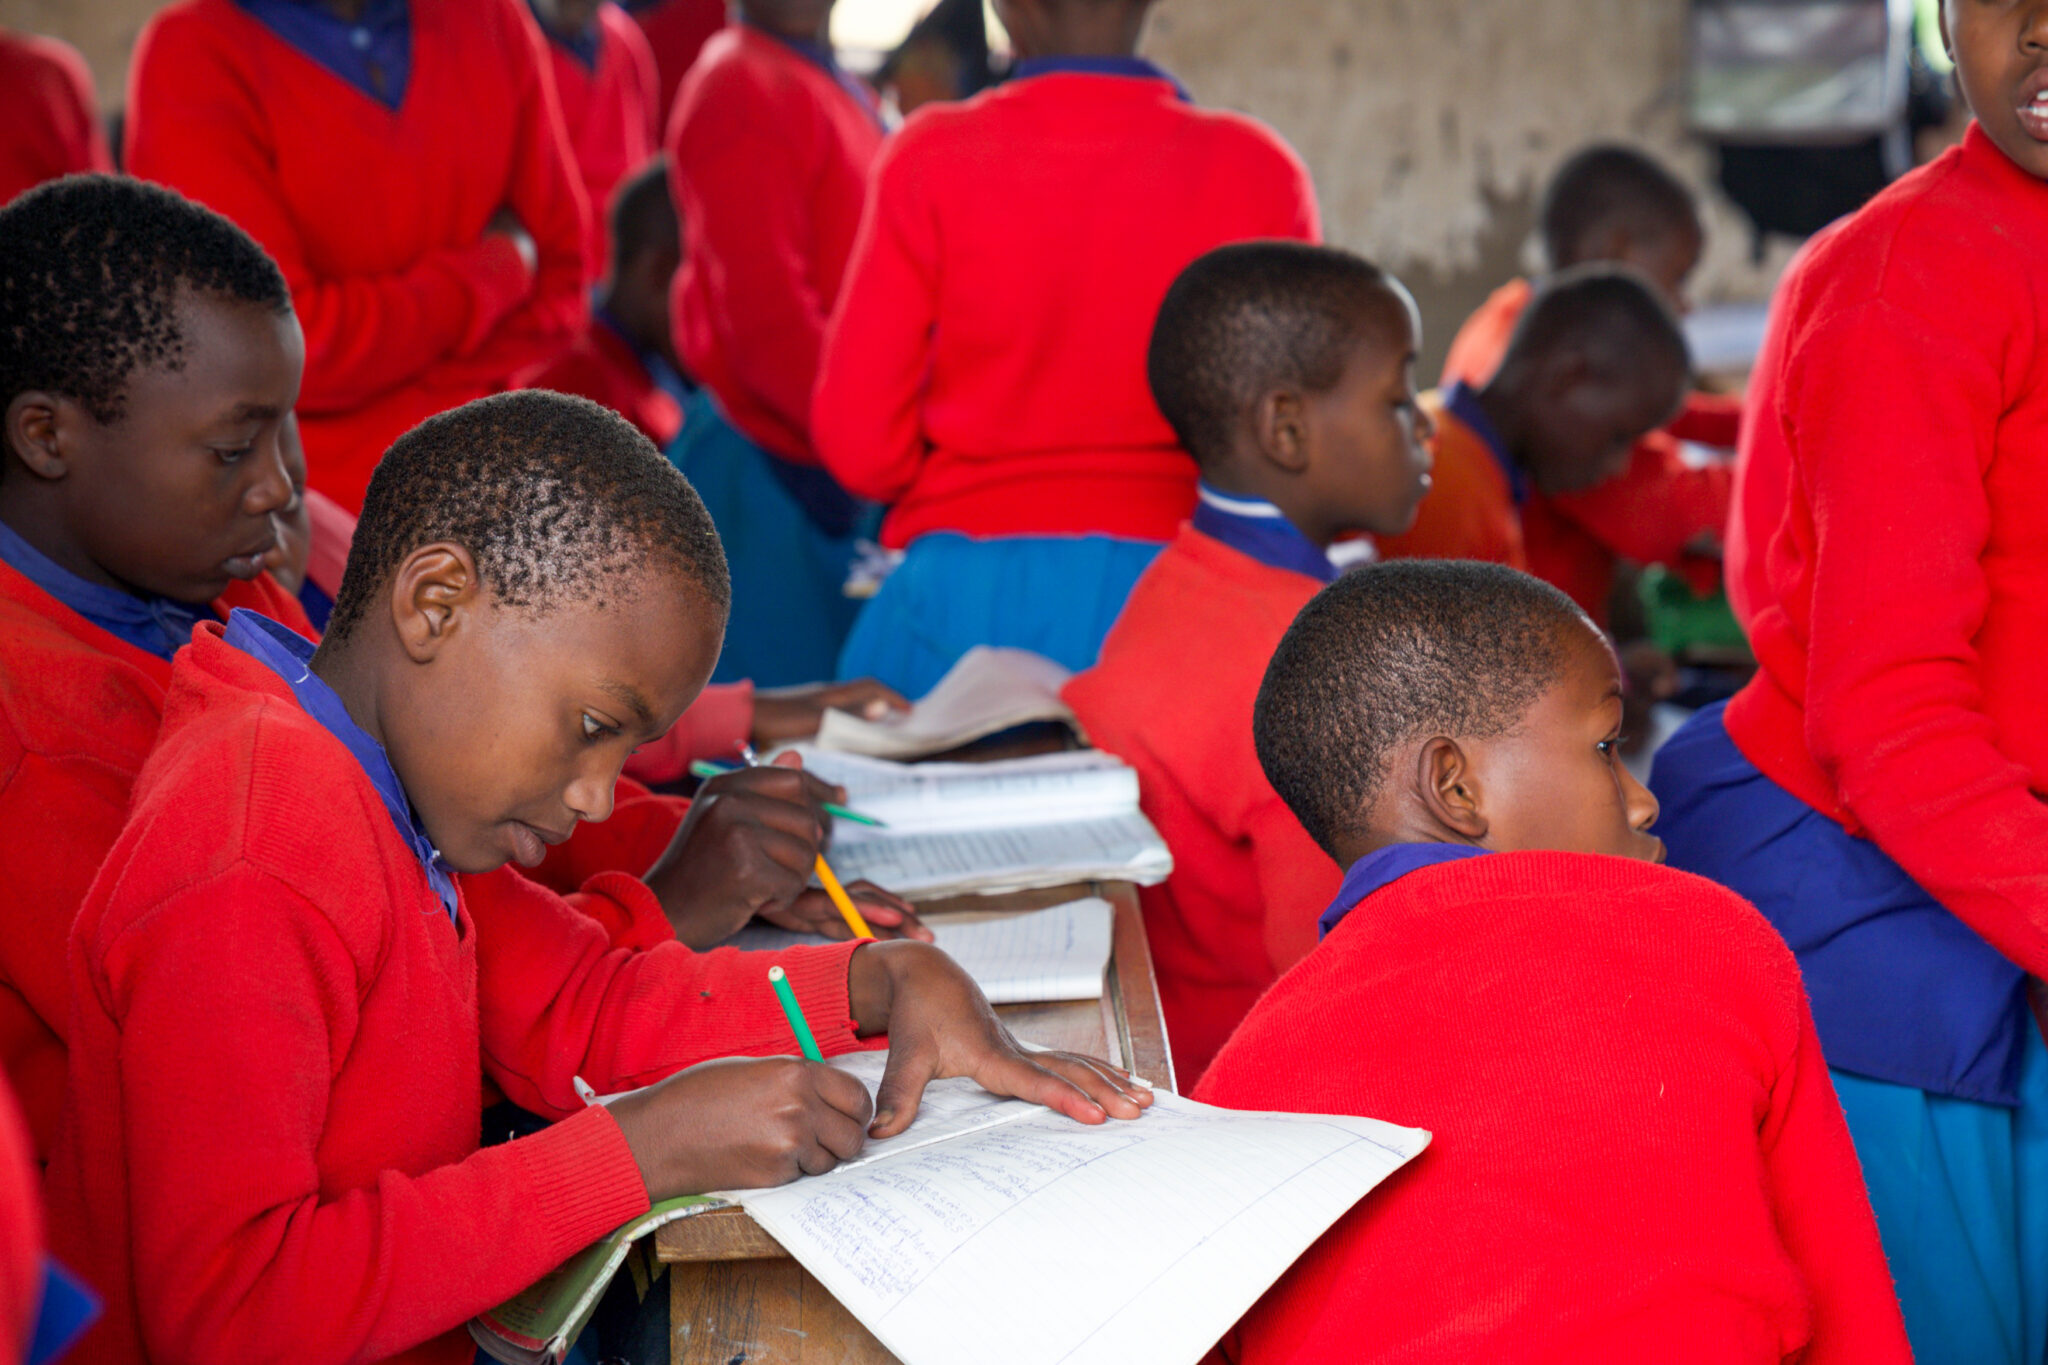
<point x="1120" y="848"/>
<point x="1058" y="953"/>
<point x="948" y="1109"/>
<point x="1152" y="1237"/>
<point x="989" y="689"/>
<point x="917" y="797"/>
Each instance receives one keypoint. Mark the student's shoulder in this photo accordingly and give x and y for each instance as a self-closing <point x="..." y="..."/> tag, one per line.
<point x="62" y="700"/>
<point x="192" y="26"/>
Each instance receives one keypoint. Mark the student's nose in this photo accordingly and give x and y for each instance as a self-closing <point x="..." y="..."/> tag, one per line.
<point x="1640" y="800"/>
<point x="1425" y="426"/>
<point x="2034" y="29"/>
<point x="270" y="485"/>
<point x="590" y="793"/>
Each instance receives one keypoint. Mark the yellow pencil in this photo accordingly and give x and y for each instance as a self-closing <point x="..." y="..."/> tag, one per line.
<point x="842" y="900"/>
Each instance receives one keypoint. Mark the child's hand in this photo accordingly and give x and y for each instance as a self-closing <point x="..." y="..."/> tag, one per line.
<point x="742" y="1123"/>
<point x="887" y="913"/>
<point x="939" y="1024"/>
<point x="789" y="714"/>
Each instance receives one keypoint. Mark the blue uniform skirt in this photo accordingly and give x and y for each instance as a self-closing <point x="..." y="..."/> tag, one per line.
<point x="1055" y="595"/>
<point x="790" y="611"/>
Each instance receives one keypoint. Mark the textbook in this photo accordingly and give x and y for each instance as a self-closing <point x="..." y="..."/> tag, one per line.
<point x="1058" y="953"/>
<point x="987" y="691"/>
<point x="1151" y="1236"/>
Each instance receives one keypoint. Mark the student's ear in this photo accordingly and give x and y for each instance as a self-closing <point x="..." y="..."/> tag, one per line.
<point x="1448" y="785"/>
<point x="36" y="432"/>
<point x="432" y="594"/>
<point x="1280" y="424"/>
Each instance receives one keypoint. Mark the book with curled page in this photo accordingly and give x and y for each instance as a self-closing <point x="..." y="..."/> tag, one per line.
<point x="989" y="690"/>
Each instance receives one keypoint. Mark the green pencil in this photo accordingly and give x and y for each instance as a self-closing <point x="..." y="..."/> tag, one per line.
<point x="705" y="768"/>
<point x="798" y="1025"/>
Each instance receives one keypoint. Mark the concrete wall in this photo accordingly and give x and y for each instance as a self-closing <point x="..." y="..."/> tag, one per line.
<point x="104" y="30"/>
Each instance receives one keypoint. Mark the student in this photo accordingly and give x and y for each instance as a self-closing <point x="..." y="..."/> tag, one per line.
<point x="246" y="1032"/>
<point x="49" y="111"/>
<point x="676" y="32"/>
<point x="1614" y="204"/>
<point x="1287" y="372"/>
<point x="1877" y="788"/>
<point x="610" y="95"/>
<point x="405" y="165"/>
<point x="769" y="146"/>
<point x="985" y="372"/>
<point x="148" y="361"/>
<point x="1636" y="1154"/>
<point x="627" y="360"/>
<point x="1596" y="361"/>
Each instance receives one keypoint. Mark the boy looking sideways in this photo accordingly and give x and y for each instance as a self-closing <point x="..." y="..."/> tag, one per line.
<point x="1637" y="1152"/>
<point x="263" y="979"/>
<point x="1287" y="372"/>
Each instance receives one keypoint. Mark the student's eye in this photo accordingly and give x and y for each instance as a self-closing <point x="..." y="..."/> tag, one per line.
<point x="1609" y="747"/>
<point x="595" y="729"/>
<point x="232" y="454"/>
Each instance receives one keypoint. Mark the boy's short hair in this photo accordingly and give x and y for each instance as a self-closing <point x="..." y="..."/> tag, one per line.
<point x="89" y="271"/>
<point x="643" y="215"/>
<point x="1251" y="316"/>
<point x="551" y="494"/>
<point x="1392" y="652"/>
<point x="1611" y="312"/>
<point x="1608" y="185"/>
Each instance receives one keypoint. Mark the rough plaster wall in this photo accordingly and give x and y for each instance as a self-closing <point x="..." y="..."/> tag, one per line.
<point x="1430" y="125"/>
<point x="104" y="30"/>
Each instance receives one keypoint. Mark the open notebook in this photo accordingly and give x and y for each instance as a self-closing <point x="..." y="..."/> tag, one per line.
<point x="988" y="690"/>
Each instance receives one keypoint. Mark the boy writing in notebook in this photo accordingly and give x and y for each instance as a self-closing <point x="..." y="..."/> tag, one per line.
<point x="1637" y="1154"/>
<point x="1287" y="371"/>
<point x="265" y="977"/>
<point x="148" y="362"/>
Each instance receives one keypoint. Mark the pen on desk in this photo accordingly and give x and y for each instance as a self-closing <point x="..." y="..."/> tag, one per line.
<point x="842" y="902"/>
<point x="798" y="1025"/>
<point x="704" y="768"/>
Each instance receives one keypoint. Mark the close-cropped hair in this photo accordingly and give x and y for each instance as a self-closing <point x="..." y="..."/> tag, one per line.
<point x="554" y="497"/>
<point x="1392" y="653"/>
<point x="90" y="270"/>
<point x="1246" y="319"/>
<point x="1607" y="186"/>
<point x="1610" y="313"/>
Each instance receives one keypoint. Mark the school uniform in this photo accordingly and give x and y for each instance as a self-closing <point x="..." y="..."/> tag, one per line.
<point x="1649" y="514"/>
<point x="1877" y="788"/>
<point x="676" y="33"/>
<point x="369" y="168"/>
<point x="769" y="147"/>
<point x="1636" y="1154"/>
<point x="985" y="371"/>
<point x="1477" y="493"/>
<point x="49" y="112"/>
<point x="1172" y="696"/>
<point x="83" y="669"/>
<point x="606" y="367"/>
<point x="325" y="1188"/>
<point x="610" y="96"/>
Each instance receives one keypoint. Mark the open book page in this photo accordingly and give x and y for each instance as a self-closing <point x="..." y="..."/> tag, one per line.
<point x="948" y="1109"/>
<point x="987" y="690"/>
<point x="1151" y="1237"/>
<point x="1074" y="785"/>
<point x="948" y="862"/>
<point x="1058" y="953"/>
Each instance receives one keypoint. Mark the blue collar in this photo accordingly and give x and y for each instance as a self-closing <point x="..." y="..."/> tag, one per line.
<point x="1257" y="528"/>
<point x="290" y="656"/>
<point x="373" y="54"/>
<point x="154" y="625"/>
<point x="1381" y="866"/>
<point x="584" y="45"/>
<point x="1099" y="66"/>
<point x="1461" y="401"/>
<point x="67" y="1309"/>
<point x="826" y="60"/>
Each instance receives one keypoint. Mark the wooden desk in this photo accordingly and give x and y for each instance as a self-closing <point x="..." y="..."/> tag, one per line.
<point x="736" y="1297"/>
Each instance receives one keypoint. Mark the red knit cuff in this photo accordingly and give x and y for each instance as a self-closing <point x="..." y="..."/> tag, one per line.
<point x="497" y="280"/>
<point x="627" y="908"/>
<point x="582" y="1180"/>
<point x="818" y="975"/>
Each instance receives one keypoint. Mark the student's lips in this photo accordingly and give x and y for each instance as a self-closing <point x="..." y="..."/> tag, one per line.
<point x="250" y="563"/>
<point x="2031" y="108"/>
<point x="530" y="843"/>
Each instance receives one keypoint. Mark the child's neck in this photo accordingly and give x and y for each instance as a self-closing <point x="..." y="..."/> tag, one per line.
<point x="349" y="668"/>
<point x="1237" y="480"/>
<point x="40" y="523"/>
<point x="1088" y="31"/>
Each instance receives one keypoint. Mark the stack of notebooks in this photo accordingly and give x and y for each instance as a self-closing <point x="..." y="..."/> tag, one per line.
<point x="988" y="691"/>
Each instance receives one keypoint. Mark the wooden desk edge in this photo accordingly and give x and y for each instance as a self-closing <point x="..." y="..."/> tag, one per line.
<point x="728" y="1234"/>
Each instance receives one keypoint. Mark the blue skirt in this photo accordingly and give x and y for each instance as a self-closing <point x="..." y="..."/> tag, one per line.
<point x="790" y="611"/>
<point x="1055" y="595"/>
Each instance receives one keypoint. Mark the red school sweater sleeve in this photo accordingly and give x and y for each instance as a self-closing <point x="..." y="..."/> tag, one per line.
<point x="196" y="122"/>
<point x="237" y="1252"/>
<point x="1655" y="508"/>
<point x="1890" y="455"/>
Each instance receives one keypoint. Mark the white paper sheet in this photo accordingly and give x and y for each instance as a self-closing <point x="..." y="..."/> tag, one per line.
<point x="1152" y="1236"/>
<point x="957" y="862"/>
<point x="1079" y="784"/>
<point x="986" y="691"/>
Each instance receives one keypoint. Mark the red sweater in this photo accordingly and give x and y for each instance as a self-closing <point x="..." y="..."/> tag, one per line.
<point x="377" y="217"/>
<point x="1899" y="627"/>
<point x="613" y="114"/>
<point x="1637" y="1152"/>
<point x="677" y="31"/>
<point x="1172" y="696"/>
<point x="601" y="366"/>
<point x="270" y="1151"/>
<point x="1647" y="515"/>
<point x="768" y="161"/>
<point x="21" y="1231"/>
<point x="48" y="109"/>
<point x="79" y="711"/>
<point x="985" y="372"/>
